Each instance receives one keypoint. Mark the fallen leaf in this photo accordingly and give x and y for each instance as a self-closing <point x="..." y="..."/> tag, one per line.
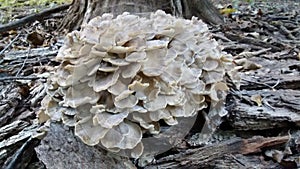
<point x="42" y="117"/>
<point x="24" y="90"/>
<point x="227" y="11"/>
<point x="260" y="13"/>
<point x="35" y="38"/>
<point x="12" y="32"/>
<point x="257" y="99"/>
<point x="247" y="64"/>
<point x="275" y="154"/>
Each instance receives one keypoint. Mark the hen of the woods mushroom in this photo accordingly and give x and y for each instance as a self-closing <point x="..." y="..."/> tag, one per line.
<point x="123" y="78"/>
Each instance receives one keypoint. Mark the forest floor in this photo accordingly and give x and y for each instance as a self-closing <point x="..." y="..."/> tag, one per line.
<point x="261" y="130"/>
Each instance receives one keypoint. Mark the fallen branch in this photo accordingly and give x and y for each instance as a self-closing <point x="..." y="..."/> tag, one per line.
<point x="251" y="54"/>
<point x="237" y="46"/>
<point x="23" y="155"/>
<point x="220" y="36"/>
<point x="33" y="17"/>
<point x="7" y="46"/>
<point x="9" y="78"/>
<point x="201" y="156"/>
<point x="257" y="42"/>
<point x="286" y="32"/>
<point x="263" y="84"/>
<point x="23" y="63"/>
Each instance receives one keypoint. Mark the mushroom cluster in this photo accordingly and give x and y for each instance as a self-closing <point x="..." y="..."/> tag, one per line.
<point x="121" y="78"/>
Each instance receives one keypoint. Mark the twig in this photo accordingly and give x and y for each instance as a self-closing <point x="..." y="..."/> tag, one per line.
<point x="242" y="39"/>
<point x="237" y="160"/>
<point x="31" y="18"/>
<point x="12" y="78"/>
<point x="245" y="47"/>
<point x="286" y="32"/>
<point x="265" y="102"/>
<point x="276" y="84"/>
<point x="295" y="30"/>
<point x="24" y="62"/>
<point x="271" y="87"/>
<point x="7" y="46"/>
<point x="251" y="54"/>
<point x="18" y="157"/>
<point x="276" y="18"/>
<point x="222" y="37"/>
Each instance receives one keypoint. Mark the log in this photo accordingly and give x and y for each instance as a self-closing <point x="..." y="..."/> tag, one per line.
<point x="193" y="158"/>
<point x="279" y="109"/>
<point x="31" y="18"/>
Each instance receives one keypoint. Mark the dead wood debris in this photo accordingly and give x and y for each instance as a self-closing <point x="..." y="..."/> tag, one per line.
<point x="264" y="136"/>
<point x="33" y="17"/>
<point x="61" y="141"/>
<point x="22" y="75"/>
<point x="192" y="158"/>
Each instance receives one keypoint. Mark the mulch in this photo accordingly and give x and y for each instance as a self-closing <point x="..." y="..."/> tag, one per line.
<point x="261" y="130"/>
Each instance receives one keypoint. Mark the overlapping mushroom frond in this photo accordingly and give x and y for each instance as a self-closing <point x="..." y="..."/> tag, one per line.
<point x="120" y="77"/>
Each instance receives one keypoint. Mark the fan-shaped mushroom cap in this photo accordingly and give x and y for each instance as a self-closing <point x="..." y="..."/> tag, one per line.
<point x="89" y="132"/>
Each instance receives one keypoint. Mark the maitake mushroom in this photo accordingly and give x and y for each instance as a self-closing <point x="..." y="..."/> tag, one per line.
<point x="120" y="77"/>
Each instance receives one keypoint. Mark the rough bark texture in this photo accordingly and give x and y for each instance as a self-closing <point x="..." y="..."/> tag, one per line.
<point x="60" y="143"/>
<point x="193" y="158"/>
<point x="82" y="11"/>
<point x="203" y="9"/>
<point x="252" y="136"/>
<point x="75" y="15"/>
<point x="278" y="84"/>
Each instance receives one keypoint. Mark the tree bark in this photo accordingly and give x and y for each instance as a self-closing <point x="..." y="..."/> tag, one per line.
<point x="203" y="9"/>
<point x="277" y="82"/>
<point x="82" y="11"/>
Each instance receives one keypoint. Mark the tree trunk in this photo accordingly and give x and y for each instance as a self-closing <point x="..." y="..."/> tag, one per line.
<point x="82" y="11"/>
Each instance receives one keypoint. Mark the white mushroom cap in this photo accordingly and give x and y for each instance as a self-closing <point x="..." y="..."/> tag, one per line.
<point x="89" y="132"/>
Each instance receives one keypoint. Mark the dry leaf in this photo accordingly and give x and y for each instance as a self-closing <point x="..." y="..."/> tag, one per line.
<point x="275" y="154"/>
<point x="247" y="64"/>
<point x="257" y="99"/>
<point x="35" y="38"/>
<point x="227" y="11"/>
<point x="42" y="117"/>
